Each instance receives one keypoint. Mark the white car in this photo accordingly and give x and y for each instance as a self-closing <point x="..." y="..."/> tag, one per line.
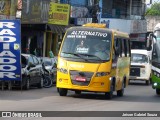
<point x="140" y="68"/>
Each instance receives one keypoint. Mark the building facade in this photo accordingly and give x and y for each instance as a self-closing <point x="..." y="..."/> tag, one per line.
<point x="119" y="13"/>
<point x="43" y="26"/>
<point x="151" y="22"/>
<point x="124" y="15"/>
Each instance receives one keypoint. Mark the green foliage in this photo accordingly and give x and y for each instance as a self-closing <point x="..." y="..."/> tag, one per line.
<point x="154" y="10"/>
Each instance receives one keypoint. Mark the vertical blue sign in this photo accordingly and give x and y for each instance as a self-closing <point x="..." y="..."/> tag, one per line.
<point x="10" y="50"/>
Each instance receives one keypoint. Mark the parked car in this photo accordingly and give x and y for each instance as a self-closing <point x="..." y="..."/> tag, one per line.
<point x="140" y="66"/>
<point x="51" y="65"/>
<point x="31" y="72"/>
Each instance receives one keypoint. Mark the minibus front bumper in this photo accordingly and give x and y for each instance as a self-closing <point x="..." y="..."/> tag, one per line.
<point x="96" y="84"/>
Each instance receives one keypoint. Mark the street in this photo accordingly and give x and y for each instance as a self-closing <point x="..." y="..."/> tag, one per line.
<point x="138" y="97"/>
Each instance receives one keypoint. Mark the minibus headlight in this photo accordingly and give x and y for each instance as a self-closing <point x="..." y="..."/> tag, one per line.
<point x="63" y="70"/>
<point x="100" y="74"/>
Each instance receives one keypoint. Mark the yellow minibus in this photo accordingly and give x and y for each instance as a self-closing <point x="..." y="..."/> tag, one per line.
<point x="93" y="58"/>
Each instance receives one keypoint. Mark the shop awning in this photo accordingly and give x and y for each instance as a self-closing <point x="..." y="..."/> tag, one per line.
<point x="58" y="28"/>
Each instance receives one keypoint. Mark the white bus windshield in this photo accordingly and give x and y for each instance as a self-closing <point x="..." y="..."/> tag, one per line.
<point x="86" y="44"/>
<point x="139" y="58"/>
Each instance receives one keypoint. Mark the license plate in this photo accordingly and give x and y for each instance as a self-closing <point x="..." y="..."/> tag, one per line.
<point x="81" y="79"/>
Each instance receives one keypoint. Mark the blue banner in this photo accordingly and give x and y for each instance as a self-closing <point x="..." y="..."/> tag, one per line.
<point x="10" y="50"/>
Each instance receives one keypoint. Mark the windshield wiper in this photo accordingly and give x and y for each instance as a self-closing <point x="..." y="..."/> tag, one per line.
<point x="91" y="55"/>
<point x="75" y="54"/>
<point x="80" y="56"/>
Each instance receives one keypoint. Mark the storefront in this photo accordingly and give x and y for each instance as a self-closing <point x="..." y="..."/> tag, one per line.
<point x="34" y="19"/>
<point x="58" y="22"/>
<point x="43" y="26"/>
<point x="32" y="38"/>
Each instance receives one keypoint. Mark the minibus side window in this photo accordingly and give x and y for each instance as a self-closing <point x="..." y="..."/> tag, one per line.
<point x="113" y="53"/>
<point x="115" y="56"/>
<point x="125" y="47"/>
<point x="118" y="47"/>
<point x="129" y="48"/>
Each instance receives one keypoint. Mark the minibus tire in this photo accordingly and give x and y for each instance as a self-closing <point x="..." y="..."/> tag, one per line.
<point x="63" y="91"/>
<point x="109" y="95"/>
<point x="158" y="91"/>
<point x="120" y="92"/>
<point x="78" y="92"/>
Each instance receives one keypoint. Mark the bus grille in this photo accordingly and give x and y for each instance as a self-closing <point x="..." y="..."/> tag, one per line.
<point x="86" y="75"/>
<point x="134" y="71"/>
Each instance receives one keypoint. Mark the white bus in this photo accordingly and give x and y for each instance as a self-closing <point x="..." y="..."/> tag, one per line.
<point x="156" y="58"/>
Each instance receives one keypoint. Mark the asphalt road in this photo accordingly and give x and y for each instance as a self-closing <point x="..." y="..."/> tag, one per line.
<point x="138" y="97"/>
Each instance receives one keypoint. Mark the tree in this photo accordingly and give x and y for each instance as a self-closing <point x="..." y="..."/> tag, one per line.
<point x="154" y="10"/>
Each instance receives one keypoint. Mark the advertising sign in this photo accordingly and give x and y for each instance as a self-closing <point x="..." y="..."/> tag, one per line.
<point x="7" y="9"/>
<point x="59" y="14"/>
<point x="35" y="11"/>
<point x="10" y="52"/>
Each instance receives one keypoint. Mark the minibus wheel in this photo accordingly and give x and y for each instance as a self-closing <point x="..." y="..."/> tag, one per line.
<point x="121" y="91"/>
<point x="78" y="92"/>
<point x="63" y="91"/>
<point x="109" y="95"/>
<point x="158" y="91"/>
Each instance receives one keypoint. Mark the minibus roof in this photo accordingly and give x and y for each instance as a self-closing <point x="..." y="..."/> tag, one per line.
<point x="115" y="32"/>
<point x="89" y="28"/>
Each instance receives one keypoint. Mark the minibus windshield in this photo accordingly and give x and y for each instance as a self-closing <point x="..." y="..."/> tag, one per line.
<point x="86" y="45"/>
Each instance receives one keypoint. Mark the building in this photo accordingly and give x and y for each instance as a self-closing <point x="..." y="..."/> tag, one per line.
<point x="151" y="22"/>
<point x="43" y="27"/>
<point x="125" y="15"/>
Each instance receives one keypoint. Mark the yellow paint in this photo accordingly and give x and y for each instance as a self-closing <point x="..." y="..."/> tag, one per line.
<point x="59" y="13"/>
<point x="96" y="25"/>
